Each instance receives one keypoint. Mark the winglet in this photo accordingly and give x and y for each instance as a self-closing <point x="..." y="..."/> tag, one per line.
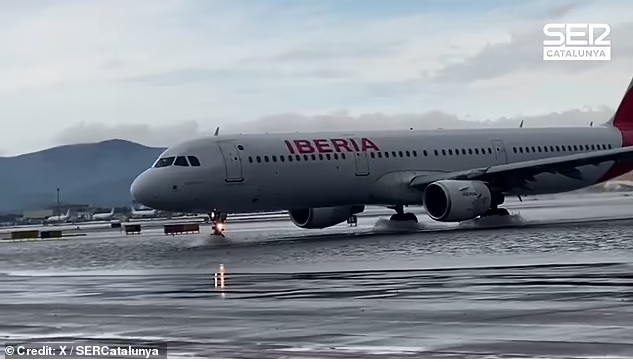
<point x="623" y="117"/>
<point x="217" y="131"/>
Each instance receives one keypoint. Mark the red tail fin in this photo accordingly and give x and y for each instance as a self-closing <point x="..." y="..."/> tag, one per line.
<point x="623" y="117"/>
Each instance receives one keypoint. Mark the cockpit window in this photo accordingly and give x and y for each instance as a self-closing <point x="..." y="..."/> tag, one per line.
<point x="181" y="161"/>
<point x="164" y="162"/>
<point x="193" y="160"/>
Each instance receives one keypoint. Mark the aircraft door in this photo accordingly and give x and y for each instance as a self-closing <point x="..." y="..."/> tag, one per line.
<point x="500" y="151"/>
<point x="362" y="164"/>
<point x="232" y="161"/>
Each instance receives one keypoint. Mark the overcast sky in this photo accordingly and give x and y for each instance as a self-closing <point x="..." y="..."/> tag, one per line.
<point x="160" y="71"/>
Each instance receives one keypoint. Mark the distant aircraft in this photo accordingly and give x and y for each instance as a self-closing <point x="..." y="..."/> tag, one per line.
<point x="619" y="185"/>
<point x="59" y="218"/>
<point x="104" y="216"/>
<point x="325" y="178"/>
<point x="143" y="213"/>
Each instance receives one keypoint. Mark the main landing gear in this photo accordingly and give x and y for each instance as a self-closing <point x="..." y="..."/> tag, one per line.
<point x="400" y="215"/>
<point x="217" y="220"/>
<point x="495" y="210"/>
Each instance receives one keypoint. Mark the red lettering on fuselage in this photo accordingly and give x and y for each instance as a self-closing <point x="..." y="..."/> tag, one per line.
<point x="331" y="145"/>
<point x="354" y="144"/>
<point x="304" y="146"/>
<point x="340" y="144"/>
<point x="290" y="149"/>
<point x="368" y="145"/>
<point x="322" y="146"/>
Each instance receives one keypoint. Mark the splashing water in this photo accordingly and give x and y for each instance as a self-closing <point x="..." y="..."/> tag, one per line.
<point x="404" y="226"/>
<point x="493" y="221"/>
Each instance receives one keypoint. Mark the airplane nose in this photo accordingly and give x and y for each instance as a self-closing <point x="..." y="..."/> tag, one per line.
<point x="141" y="190"/>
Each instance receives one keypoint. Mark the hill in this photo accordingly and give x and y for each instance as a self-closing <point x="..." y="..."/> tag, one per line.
<point x="91" y="173"/>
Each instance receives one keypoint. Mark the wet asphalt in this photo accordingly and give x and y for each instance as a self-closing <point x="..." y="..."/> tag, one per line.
<point x="548" y="289"/>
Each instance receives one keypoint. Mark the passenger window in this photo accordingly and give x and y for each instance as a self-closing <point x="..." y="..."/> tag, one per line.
<point x="457" y="152"/>
<point x="539" y="149"/>
<point x="400" y="154"/>
<point x="321" y="156"/>
<point x="328" y="157"/>
<point x="282" y="158"/>
<point x="274" y="158"/>
<point x="313" y="157"/>
<point x="289" y="158"/>
<point x="470" y="151"/>
<point x="435" y="152"/>
<point x="423" y="152"/>
<point x="164" y="162"/>
<point x="463" y="151"/>
<point x="335" y="156"/>
<point x="408" y="153"/>
<point x="393" y="153"/>
<point x="181" y="161"/>
<point x="259" y="159"/>
<point x="386" y="154"/>
<point x="527" y="149"/>
<point x="305" y="157"/>
<point x="297" y="157"/>
<point x="557" y="149"/>
<point x="514" y="149"/>
<point x="483" y="151"/>
<point x="250" y="159"/>
<point x="372" y="155"/>
<point x="450" y="152"/>
<point x="379" y="154"/>
<point x="193" y="161"/>
<point x="490" y="150"/>
<point x="343" y="155"/>
<point x="476" y="151"/>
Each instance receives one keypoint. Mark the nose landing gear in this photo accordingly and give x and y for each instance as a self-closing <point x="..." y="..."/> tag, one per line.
<point x="217" y="222"/>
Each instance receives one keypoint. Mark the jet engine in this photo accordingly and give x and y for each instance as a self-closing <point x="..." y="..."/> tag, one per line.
<point x="323" y="217"/>
<point x="456" y="200"/>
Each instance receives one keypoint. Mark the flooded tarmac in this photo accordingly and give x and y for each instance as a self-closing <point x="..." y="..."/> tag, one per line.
<point x="550" y="289"/>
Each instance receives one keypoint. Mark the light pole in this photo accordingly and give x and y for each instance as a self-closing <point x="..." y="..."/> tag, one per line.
<point x="58" y="214"/>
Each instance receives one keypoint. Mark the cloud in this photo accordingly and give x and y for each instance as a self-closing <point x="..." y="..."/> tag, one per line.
<point x="341" y="121"/>
<point x="519" y="52"/>
<point x="150" y="62"/>
<point x="345" y="121"/>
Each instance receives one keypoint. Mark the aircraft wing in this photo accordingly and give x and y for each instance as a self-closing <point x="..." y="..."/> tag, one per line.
<point x="517" y="174"/>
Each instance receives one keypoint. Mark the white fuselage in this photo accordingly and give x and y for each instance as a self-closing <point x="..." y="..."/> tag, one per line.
<point x="249" y="173"/>
<point x="103" y="216"/>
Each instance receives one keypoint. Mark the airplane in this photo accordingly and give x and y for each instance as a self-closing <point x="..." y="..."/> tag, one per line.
<point x="59" y="218"/>
<point x="144" y="213"/>
<point x="104" y="216"/>
<point x="618" y="185"/>
<point x="323" y="179"/>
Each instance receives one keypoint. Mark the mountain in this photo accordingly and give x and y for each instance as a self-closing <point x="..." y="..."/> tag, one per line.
<point x="91" y="173"/>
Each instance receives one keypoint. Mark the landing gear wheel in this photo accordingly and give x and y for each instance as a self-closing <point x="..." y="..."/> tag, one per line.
<point x="404" y="217"/>
<point x="503" y="212"/>
<point x="496" y="212"/>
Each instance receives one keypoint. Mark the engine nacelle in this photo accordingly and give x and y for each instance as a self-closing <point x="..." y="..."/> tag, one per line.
<point x="323" y="217"/>
<point x="456" y="200"/>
